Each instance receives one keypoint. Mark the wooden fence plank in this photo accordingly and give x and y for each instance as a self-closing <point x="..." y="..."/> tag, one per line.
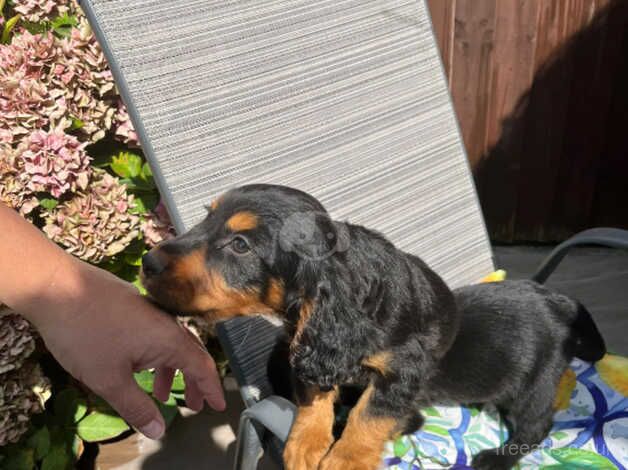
<point x="442" y="13"/>
<point x="511" y="76"/>
<point x="472" y="57"/>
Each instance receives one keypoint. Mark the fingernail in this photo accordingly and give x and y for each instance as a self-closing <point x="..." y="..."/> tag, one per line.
<point x="153" y="430"/>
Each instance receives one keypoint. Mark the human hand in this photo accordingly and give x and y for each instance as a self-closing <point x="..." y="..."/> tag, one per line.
<point x="101" y="331"/>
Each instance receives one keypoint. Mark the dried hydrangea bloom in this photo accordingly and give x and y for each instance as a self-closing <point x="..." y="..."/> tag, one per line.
<point x="94" y="224"/>
<point x="22" y="394"/>
<point x="41" y="10"/>
<point x="17" y="340"/>
<point x="27" y="102"/>
<point x="81" y="70"/>
<point x="13" y="190"/>
<point x="53" y="162"/>
<point x="157" y="226"/>
<point x="124" y="131"/>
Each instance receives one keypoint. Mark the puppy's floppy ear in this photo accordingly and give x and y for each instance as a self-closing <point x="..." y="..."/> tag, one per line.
<point x="314" y="240"/>
<point x="328" y="340"/>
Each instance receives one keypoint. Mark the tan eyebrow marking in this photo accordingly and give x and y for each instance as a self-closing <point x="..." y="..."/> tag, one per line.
<point x="240" y="221"/>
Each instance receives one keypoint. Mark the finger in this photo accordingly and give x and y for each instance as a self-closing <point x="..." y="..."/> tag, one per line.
<point x="199" y="369"/>
<point x="163" y="383"/>
<point x="135" y="406"/>
<point x="193" y="396"/>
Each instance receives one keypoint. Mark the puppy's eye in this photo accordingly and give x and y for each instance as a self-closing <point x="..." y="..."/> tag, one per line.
<point x="240" y="245"/>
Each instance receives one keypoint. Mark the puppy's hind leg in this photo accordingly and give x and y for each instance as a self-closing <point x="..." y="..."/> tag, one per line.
<point x="530" y="421"/>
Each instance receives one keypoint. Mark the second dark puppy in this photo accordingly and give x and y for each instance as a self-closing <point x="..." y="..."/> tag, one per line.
<point x="360" y="312"/>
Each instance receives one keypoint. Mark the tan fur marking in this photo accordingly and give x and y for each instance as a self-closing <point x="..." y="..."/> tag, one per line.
<point x="241" y="221"/>
<point x="311" y="433"/>
<point x="307" y="307"/>
<point x="379" y="362"/>
<point x="194" y="289"/>
<point x="362" y="442"/>
<point x="275" y="294"/>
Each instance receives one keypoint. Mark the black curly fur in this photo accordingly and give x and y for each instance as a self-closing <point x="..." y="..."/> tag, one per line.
<point x="506" y="343"/>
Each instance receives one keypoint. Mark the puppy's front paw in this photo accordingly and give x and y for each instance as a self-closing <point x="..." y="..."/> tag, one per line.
<point x="306" y="451"/>
<point x="491" y="460"/>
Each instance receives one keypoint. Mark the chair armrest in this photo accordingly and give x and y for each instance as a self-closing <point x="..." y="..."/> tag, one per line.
<point x="274" y="414"/>
<point x="611" y="237"/>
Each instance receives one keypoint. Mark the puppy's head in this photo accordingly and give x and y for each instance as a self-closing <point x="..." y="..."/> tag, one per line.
<point x="259" y="250"/>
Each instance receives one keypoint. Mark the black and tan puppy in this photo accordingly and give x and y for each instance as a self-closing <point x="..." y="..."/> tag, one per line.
<point x="360" y="312"/>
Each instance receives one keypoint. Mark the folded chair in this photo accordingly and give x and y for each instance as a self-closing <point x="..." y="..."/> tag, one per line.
<point x="346" y="100"/>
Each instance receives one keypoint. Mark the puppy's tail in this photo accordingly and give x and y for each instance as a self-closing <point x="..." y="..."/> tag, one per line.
<point x="586" y="342"/>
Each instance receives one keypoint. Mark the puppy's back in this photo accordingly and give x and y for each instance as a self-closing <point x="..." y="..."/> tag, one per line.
<point x="510" y="332"/>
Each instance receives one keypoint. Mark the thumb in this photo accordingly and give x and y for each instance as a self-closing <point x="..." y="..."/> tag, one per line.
<point x="136" y="407"/>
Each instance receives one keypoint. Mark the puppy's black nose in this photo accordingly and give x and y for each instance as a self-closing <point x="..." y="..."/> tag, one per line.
<point x="152" y="265"/>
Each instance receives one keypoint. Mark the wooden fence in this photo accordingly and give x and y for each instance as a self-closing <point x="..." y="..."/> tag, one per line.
<point x="539" y="87"/>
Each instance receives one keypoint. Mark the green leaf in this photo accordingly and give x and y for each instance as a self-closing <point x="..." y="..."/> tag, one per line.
<point x="178" y="385"/>
<point x="147" y="173"/>
<point x="77" y="446"/>
<point x="62" y="25"/>
<point x="76" y="123"/>
<point x="138" y="284"/>
<point x="48" y="203"/>
<point x="1" y="6"/>
<point x="145" y="380"/>
<point x="96" y="427"/>
<point x="57" y="459"/>
<point x="69" y="407"/>
<point x="581" y="459"/>
<point x="40" y="442"/>
<point x="169" y="409"/>
<point x="100" y="405"/>
<point x="126" y="165"/>
<point x="133" y="259"/>
<point x="178" y="395"/>
<point x="19" y="458"/>
<point x="8" y="27"/>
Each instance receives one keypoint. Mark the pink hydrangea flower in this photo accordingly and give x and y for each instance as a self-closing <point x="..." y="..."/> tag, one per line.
<point x="124" y="131"/>
<point x="27" y="102"/>
<point x="83" y="74"/>
<point x="41" y="10"/>
<point x="54" y="162"/>
<point x="94" y="224"/>
<point x="13" y="190"/>
<point x="157" y="226"/>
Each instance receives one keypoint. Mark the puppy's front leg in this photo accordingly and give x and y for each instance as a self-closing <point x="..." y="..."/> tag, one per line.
<point x="311" y="433"/>
<point x="369" y="426"/>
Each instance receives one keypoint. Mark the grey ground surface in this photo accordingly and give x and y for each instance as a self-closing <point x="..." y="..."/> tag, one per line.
<point x="598" y="277"/>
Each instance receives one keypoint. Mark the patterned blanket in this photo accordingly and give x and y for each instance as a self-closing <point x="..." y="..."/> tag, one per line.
<point x="590" y="427"/>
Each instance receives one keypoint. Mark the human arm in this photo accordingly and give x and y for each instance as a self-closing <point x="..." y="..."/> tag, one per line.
<point x="99" y="328"/>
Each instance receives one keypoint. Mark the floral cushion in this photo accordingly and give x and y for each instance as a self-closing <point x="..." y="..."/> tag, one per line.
<point x="590" y="427"/>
